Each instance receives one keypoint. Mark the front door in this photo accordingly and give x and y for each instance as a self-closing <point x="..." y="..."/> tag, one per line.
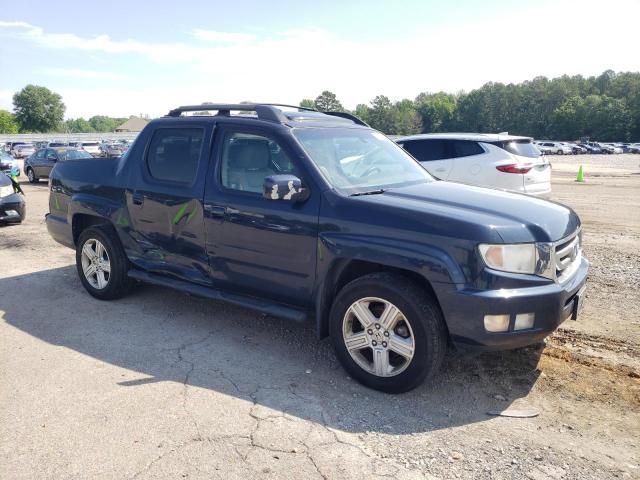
<point x="165" y="205"/>
<point x="256" y="245"/>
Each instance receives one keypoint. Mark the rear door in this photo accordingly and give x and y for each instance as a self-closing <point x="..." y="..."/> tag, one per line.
<point x="433" y="154"/>
<point x="472" y="163"/>
<point x="165" y="203"/>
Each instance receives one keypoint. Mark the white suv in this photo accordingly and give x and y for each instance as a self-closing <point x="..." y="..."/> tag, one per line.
<point x="557" y="148"/>
<point x="488" y="160"/>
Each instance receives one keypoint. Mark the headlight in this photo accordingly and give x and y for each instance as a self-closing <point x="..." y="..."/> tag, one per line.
<point x="6" y="191"/>
<point x="518" y="258"/>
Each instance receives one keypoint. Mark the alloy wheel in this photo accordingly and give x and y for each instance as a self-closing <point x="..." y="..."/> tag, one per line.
<point x="378" y="336"/>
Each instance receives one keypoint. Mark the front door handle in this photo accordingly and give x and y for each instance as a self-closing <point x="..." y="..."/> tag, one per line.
<point x="137" y="198"/>
<point x="215" y="210"/>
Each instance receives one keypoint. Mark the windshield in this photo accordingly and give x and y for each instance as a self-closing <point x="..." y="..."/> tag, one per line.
<point x="73" y="155"/>
<point x="357" y="160"/>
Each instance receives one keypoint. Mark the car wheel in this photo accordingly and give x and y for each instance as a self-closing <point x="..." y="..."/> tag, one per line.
<point x="31" y="176"/>
<point x="387" y="332"/>
<point x="559" y="152"/>
<point x="101" y="263"/>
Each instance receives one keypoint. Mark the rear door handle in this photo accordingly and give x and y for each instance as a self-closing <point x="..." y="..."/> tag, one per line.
<point x="138" y="199"/>
<point x="215" y="210"/>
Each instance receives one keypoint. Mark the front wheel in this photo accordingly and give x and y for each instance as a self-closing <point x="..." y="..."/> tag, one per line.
<point x="101" y="263"/>
<point x="31" y="175"/>
<point x="388" y="333"/>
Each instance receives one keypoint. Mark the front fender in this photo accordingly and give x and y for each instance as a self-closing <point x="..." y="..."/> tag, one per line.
<point x="336" y="250"/>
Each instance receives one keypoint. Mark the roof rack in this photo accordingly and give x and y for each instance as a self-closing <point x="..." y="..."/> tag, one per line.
<point x="348" y="116"/>
<point x="265" y="111"/>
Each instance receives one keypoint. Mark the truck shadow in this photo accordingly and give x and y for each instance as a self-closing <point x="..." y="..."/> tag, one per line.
<point x="160" y="335"/>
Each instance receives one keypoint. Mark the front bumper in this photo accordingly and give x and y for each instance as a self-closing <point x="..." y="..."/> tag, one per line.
<point x="464" y="311"/>
<point x="10" y="204"/>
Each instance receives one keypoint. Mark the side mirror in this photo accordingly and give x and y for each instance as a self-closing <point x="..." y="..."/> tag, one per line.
<point x="284" y="187"/>
<point x="53" y="158"/>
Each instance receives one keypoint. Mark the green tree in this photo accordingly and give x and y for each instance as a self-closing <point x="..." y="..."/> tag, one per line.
<point x="437" y="111"/>
<point x="308" y="103"/>
<point x="38" y="109"/>
<point x="7" y="122"/>
<point x="79" y="125"/>
<point x="328" y="102"/>
<point x="406" y="119"/>
<point x="101" y="123"/>
<point x="381" y="115"/>
<point x="362" y="112"/>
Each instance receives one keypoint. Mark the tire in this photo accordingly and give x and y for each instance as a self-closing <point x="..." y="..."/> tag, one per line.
<point x="418" y="317"/>
<point x="115" y="283"/>
<point x="31" y="175"/>
<point x="559" y="152"/>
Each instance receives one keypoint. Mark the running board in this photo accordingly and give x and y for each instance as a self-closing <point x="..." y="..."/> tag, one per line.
<point x="270" y="308"/>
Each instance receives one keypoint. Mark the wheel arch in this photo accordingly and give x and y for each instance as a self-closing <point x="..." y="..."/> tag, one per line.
<point x="81" y="221"/>
<point x="344" y="271"/>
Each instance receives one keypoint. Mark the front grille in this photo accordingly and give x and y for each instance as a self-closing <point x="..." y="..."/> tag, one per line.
<point x="567" y="255"/>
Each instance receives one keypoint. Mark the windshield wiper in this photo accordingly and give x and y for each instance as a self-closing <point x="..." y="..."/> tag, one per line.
<point x="370" y="192"/>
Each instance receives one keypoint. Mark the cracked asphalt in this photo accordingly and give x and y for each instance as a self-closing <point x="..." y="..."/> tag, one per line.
<point x="163" y="385"/>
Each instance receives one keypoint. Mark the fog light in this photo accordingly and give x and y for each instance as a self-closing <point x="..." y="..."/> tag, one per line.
<point x="524" y="321"/>
<point x="496" y="323"/>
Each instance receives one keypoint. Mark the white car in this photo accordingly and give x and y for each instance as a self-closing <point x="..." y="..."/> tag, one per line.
<point x="92" y="148"/>
<point x="489" y="160"/>
<point x="23" y="150"/>
<point x="556" y="148"/>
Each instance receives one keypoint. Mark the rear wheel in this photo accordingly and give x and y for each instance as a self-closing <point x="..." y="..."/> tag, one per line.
<point x="101" y="263"/>
<point x="31" y="175"/>
<point x="387" y="332"/>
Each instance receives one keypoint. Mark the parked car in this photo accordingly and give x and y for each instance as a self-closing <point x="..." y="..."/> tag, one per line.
<point x="317" y="217"/>
<point x="498" y="161"/>
<point x="634" y="148"/>
<point x="91" y="147"/>
<point x="613" y="148"/>
<point x="592" y="149"/>
<point x="9" y="165"/>
<point x="40" y="164"/>
<point x="57" y="144"/>
<point x="12" y="204"/>
<point x="111" y="150"/>
<point x="22" y="150"/>
<point x="556" y="148"/>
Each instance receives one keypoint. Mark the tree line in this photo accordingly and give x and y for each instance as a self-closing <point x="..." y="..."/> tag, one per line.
<point x="37" y="109"/>
<point x="604" y="108"/>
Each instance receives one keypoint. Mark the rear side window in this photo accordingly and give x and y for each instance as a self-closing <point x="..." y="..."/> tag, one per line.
<point x="40" y="154"/>
<point x="426" y="150"/>
<point x="174" y="154"/>
<point x="465" y="148"/>
<point x="524" y="148"/>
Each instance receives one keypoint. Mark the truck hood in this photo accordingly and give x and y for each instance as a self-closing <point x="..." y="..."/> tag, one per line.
<point x="514" y="217"/>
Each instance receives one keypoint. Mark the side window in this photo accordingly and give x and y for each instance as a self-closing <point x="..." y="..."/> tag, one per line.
<point x="174" y="154"/>
<point x="464" y="148"/>
<point x="425" y="150"/>
<point x="247" y="159"/>
<point x="40" y="154"/>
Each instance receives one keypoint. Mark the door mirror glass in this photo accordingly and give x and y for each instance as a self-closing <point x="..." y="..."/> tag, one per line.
<point x="51" y="157"/>
<point x="284" y="187"/>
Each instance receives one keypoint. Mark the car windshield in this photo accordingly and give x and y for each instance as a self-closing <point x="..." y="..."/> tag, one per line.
<point x="73" y="154"/>
<point x="524" y="148"/>
<point x="357" y="160"/>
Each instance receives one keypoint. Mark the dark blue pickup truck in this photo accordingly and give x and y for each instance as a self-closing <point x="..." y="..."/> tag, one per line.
<point x="317" y="217"/>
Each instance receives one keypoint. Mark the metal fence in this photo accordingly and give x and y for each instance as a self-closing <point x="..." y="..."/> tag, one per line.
<point x="68" y="137"/>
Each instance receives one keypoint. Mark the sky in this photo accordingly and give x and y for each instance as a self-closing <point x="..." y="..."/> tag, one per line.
<point x="122" y="58"/>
